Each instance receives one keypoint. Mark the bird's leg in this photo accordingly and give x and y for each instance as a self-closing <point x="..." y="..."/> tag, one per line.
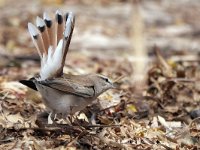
<point x="73" y="117"/>
<point x="50" y="121"/>
<point x="51" y="115"/>
<point x="70" y="115"/>
<point x="93" y="119"/>
<point x="55" y="116"/>
<point x="98" y="101"/>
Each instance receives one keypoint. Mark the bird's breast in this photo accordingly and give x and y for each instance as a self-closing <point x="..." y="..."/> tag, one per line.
<point x="61" y="102"/>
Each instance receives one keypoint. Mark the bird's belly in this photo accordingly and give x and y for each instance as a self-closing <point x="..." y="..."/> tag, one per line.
<point x="61" y="102"/>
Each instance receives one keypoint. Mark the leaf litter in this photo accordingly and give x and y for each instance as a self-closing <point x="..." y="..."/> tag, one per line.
<point x="162" y="114"/>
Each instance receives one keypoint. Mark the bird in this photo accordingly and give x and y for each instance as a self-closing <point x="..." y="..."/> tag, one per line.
<point x="61" y="93"/>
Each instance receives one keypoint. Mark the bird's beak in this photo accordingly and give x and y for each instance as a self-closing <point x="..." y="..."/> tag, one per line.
<point x="115" y="85"/>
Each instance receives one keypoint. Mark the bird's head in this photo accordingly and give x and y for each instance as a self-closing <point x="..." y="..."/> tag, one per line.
<point x="102" y="83"/>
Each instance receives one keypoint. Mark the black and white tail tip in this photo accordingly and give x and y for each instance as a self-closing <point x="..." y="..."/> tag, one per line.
<point x="52" y="37"/>
<point x="48" y="32"/>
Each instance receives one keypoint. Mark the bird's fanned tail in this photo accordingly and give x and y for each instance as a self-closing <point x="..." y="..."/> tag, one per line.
<point x="51" y="39"/>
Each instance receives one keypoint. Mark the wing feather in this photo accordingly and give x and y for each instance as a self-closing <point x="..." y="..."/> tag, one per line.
<point x="71" y="87"/>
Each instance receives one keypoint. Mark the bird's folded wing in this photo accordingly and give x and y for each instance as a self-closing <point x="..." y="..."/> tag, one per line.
<point x="70" y="87"/>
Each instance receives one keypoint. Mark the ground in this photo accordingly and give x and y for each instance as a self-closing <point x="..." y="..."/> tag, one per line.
<point x="153" y="46"/>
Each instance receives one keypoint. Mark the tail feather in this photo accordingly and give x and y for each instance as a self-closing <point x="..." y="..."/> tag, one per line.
<point x="59" y="26"/>
<point x="50" y="28"/>
<point x="69" y="27"/>
<point x="45" y="36"/>
<point x="37" y="39"/>
<point x="29" y="83"/>
<point x="52" y="42"/>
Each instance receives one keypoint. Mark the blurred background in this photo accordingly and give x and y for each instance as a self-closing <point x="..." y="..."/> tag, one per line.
<point x="105" y="29"/>
<point x="153" y="44"/>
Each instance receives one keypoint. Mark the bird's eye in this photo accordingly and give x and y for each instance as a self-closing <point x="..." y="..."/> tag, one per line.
<point x="106" y="79"/>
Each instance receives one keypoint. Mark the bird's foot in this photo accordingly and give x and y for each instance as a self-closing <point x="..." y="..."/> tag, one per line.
<point x="51" y="118"/>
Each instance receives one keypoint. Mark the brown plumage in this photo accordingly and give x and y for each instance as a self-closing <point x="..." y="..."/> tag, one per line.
<point x="61" y="93"/>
